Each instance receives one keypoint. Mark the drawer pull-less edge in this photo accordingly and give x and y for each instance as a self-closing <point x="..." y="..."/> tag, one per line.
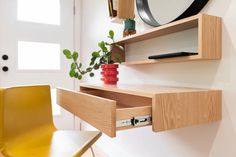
<point x="103" y="113"/>
<point x="97" y="111"/>
<point x="115" y="108"/>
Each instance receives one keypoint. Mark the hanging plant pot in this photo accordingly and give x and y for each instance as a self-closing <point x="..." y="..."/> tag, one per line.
<point x="110" y="73"/>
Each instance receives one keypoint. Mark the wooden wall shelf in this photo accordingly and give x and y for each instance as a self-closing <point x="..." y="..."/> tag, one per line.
<point x="114" y="108"/>
<point x="209" y="38"/>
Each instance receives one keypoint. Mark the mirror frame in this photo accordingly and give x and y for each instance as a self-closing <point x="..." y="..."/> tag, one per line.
<point x="146" y="14"/>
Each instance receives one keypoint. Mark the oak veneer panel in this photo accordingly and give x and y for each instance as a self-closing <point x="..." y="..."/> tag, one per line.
<point x="209" y="37"/>
<point x="170" y="107"/>
<point x="99" y="112"/>
<point x="124" y="100"/>
<point x="130" y="112"/>
<point x="175" y="110"/>
<point x="127" y="99"/>
<point x="148" y="91"/>
<point x="173" y="27"/>
<point x="125" y="9"/>
<point x="166" y="60"/>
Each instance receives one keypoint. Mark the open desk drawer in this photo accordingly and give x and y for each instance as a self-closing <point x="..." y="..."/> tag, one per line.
<point x="113" y="108"/>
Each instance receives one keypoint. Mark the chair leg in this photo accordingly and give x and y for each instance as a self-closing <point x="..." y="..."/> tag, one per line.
<point x="92" y="151"/>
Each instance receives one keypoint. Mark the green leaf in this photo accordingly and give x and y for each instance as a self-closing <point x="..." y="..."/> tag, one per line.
<point x="111" y="34"/>
<point x="91" y="74"/>
<point x="96" y="66"/>
<point x="75" y="55"/>
<point x="72" y="73"/>
<point x="95" y="54"/>
<point x="92" y="61"/>
<point x="102" y="45"/>
<point x="89" y="69"/>
<point x="80" y="65"/>
<point x="76" y="75"/>
<point x="73" y="66"/>
<point x="67" y="53"/>
<point x="79" y="77"/>
<point x="108" y="57"/>
<point x="103" y="60"/>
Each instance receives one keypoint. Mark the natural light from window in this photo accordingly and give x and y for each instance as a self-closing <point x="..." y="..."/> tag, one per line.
<point x="38" y="56"/>
<point x="39" y="11"/>
<point x="56" y="109"/>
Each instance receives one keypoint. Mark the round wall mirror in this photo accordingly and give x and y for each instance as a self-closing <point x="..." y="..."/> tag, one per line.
<point x="159" y="12"/>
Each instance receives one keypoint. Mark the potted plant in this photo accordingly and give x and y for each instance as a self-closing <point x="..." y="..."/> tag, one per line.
<point x="129" y="27"/>
<point x="104" y="58"/>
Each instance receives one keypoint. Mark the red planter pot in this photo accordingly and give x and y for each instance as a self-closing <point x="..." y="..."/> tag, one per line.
<point x="109" y="73"/>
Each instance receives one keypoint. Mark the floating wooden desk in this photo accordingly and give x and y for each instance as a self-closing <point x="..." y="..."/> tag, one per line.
<point x="113" y="108"/>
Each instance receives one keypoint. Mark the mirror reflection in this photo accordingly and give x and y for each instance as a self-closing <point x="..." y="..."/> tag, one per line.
<point x="165" y="11"/>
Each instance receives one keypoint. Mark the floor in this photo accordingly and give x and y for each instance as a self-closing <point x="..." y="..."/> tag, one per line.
<point x="98" y="153"/>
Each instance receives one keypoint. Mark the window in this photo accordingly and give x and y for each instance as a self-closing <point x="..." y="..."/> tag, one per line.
<point x="38" y="56"/>
<point x="39" y="11"/>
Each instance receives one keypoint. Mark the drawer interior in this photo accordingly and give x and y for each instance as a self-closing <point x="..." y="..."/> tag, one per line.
<point x="123" y="100"/>
<point x="128" y="107"/>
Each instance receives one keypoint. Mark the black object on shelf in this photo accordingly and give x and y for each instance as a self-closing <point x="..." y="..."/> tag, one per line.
<point x="172" y="55"/>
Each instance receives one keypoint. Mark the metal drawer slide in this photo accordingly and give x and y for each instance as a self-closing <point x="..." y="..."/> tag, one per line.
<point x="135" y="121"/>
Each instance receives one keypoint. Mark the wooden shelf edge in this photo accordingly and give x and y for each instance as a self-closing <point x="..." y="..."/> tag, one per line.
<point x="144" y="90"/>
<point x="177" y="26"/>
<point x="166" y="60"/>
<point x="187" y="23"/>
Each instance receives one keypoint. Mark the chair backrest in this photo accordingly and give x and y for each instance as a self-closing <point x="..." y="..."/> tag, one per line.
<point x="24" y="109"/>
<point x="1" y="119"/>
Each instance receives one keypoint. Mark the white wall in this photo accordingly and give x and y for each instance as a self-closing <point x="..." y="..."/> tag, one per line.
<point x="211" y="140"/>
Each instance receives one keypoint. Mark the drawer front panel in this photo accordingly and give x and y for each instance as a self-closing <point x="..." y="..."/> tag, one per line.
<point x="175" y="110"/>
<point x="97" y="111"/>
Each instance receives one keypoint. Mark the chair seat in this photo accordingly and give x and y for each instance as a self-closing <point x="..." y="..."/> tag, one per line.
<point x="51" y="144"/>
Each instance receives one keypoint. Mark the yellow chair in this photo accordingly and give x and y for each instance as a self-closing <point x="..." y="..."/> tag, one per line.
<point x="27" y="130"/>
